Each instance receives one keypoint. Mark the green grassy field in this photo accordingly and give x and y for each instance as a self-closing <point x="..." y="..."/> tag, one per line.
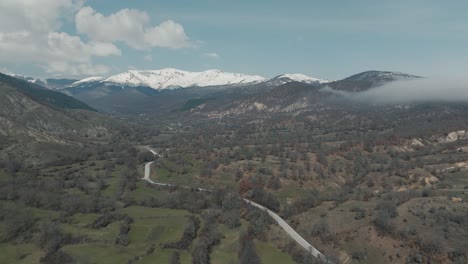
<point x="143" y="192"/>
<point x="155" y="225"/>
<point x="151" y="227"/>
<point x="96" y="253"/>
<point x="104" y="235"/>
<point x="19" y="253"/>
<point x="227" y="250"/>
<point x="3" y="174"/>
<point x="164" y="256"/>
<point x="270" y="254"/>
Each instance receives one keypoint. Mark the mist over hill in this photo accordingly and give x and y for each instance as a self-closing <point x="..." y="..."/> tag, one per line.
<point x="417" y="91"/>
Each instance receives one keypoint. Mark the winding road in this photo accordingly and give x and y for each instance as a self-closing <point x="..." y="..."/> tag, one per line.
<point x="281" y="222"/>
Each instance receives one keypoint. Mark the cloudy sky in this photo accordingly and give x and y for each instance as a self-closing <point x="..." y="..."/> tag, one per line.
<point x="325" y="39"/>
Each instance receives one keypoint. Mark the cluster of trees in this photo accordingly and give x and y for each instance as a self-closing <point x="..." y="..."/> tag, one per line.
<point x="293" y="142"/>
<point x="50" y="239"/>
<point x="265" y="198"/>
<point x="175" y="258"/>
<point x="17" y="220"/>
<point x="304" y="257"/>
<point x="122" y="239"/>
<point x="384" y="212"/>
<point x="310" y="199"/>
<point x="322" y="230"/>
<point x="247" y="253"/>
<point x="190" y="233"/>
<point x="49" y="189"/>
<point x="50" y="193"/>
<point x="259" y="221"/>
<point x="231" y="206"/>
<point x="107" y="218"/>
<point x="208" y="238"/>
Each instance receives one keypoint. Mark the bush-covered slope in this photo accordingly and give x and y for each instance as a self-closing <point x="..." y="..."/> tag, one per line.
<point x="42" y="95"/>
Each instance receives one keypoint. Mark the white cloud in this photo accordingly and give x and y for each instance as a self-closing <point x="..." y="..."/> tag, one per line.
<point x="412" y="91"/>
<point x="29" y="33"/>
<point x="131" y="27"/>
<point x="56" y="52"/>
<point x="148" y="58"/>
<point x="76" y="68"/>
<point x="64" y="46"/>
<point x="212" y="55"/>
<point x="419" y="90"/>
<point x="36" y="16"/>
<point x="6" y="71"/>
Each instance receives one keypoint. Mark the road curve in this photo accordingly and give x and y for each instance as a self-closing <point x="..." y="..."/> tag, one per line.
<point x="148" y="179"/>
<point x="286" y="227"/>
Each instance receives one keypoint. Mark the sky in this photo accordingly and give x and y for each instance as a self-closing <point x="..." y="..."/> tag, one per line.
<point x="324" y="39"/>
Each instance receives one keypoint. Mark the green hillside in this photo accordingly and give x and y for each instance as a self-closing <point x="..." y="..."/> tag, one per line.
<point x="42" y="95"/>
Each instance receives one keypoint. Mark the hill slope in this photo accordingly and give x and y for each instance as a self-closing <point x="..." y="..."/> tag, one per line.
<point x="369" y="79"/>
<point x="42" y="95"/>
<point x="31" y="116"/>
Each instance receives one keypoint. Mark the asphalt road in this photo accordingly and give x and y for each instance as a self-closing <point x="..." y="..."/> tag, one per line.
<point x="286" y="227"/>
<point x="291" y="232"/>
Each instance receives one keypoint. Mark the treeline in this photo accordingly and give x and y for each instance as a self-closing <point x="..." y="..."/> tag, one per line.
<point x="190" y="233"/>
<point x="209" y="237"/>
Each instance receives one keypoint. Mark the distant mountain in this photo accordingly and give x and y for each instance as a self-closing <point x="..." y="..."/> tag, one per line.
<point x="297" y="77"/>
<point x="109" y="97"/>
<point x="288" y="98"/>
<point x="28" y="79"/>
<point x="154" y="91"/>
<point x="50" y="83"/>
<point x="369" y="79"/>
<point x="89" y="80"/>
<point x="42" y="95"/>
<point x="172" y="78"/>
<point x="58" y="83"/>
<point x="131" y="88"/>
<point x="136" y="89"/>
<point x="43" y="125"/>
<point x="295" y="97"/>
<point x="169" y="89"/>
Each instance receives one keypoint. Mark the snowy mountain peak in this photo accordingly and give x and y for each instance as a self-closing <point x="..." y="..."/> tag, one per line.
<point x="26" y="78"/>
<point x="170" y="78"/>
<point x="297" y="77"/>
<point x="87" y="80"/>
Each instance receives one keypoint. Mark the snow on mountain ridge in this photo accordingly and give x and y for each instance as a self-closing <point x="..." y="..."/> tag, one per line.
<point x="26" y="78"/>
<point x="301" y="78"/>
<point x="89" y="79"/>
<point x="170" y="78"/>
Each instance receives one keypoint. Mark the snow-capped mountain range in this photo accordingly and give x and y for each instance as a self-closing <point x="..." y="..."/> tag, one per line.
<point x="27" y="78"/>
<point x="172" y="78"/>
<point x="48" y="83"/>
<point x="88" y="80"/>
<point x="297" y="77"/>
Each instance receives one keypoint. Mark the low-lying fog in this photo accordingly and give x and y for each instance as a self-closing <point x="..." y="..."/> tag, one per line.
<point x="413" y="91"/>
